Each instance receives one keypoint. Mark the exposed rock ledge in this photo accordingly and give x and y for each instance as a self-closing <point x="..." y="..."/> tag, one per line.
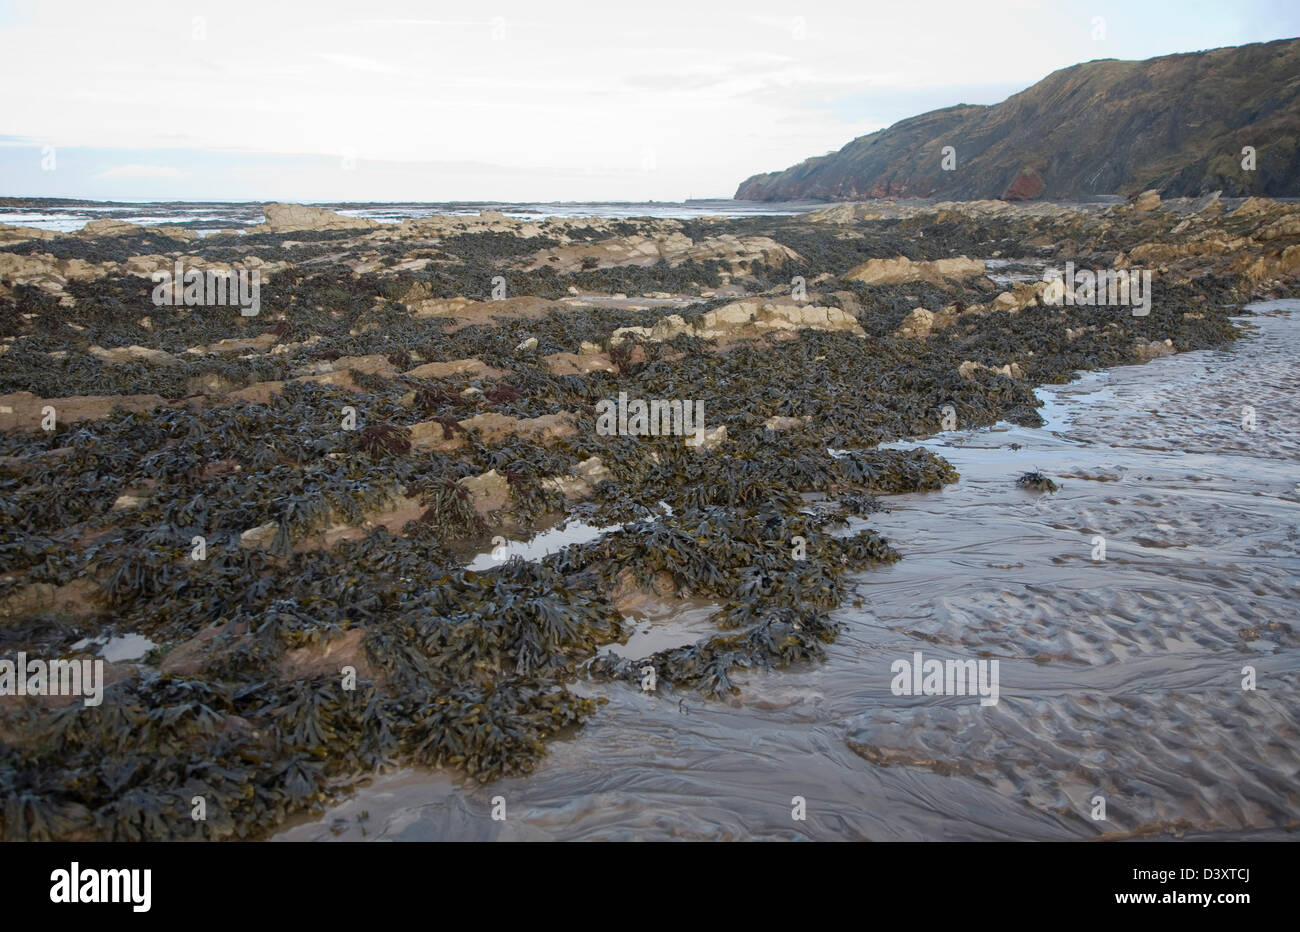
<point x="746" y="320"/>
<point x="901" y="269"/>
<point x="289" y="218"/>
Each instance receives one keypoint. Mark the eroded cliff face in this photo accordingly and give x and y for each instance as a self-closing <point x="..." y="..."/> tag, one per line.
<point x="1177" y="124"/>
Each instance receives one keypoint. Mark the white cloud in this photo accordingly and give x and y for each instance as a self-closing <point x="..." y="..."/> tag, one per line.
<point x="357" y="63"/>
<point x="718" y="90"/>
<point x="141" y="171"/>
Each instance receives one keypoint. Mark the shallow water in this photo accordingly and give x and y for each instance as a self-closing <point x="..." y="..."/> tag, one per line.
<point x="1119" y="678"/>
<point x="1006" y="272"/>
<point x="551" y="540"/>
<point x="119" y="649"/>
<point x="73" y="215"/>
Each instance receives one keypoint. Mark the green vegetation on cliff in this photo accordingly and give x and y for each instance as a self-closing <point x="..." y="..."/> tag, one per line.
<point x="1177" y="123"/>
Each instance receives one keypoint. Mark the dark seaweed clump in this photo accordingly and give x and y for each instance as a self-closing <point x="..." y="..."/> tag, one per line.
<point x="775" y="605"/>
<point x="1037" y="482"/>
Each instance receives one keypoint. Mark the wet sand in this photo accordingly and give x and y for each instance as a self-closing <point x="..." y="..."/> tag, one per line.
<point x="1120" y="678"/>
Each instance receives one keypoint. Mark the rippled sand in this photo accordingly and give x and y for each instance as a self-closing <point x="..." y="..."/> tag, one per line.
<point x="1120" y="678"/>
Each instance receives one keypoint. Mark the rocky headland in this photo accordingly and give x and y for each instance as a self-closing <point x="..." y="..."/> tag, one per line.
<point x="1183" y="125"/>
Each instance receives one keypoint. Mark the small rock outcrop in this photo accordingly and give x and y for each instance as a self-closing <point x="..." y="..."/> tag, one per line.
<point x="746" y="320"/>
<point x="289" y="218"/>
<point x="902" y="269"/>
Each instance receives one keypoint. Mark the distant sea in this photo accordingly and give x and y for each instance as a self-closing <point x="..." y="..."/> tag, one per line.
<point x="69" y="215"/>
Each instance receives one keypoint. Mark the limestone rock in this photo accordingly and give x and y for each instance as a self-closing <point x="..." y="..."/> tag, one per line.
<point x="593" y="470"/>
<point x="586" y="476"/>
<point x="22" y="410"/>
<point x="494" y="428"/>
<point x="46" y="272"/>
<point x="1289" y="262"/>
<point x="489" y="491"/>
<point x="711" y="440"/>
<point x="260" y="537"/>
<point x="917" y="324"/>
<point x="780" y="422"/>
<point x="1021" y="296"/>
<point x="1146" y="350"/>
<point x="1254" y="205"/>
<point x="1147" y="200"/>
<point x="1210" y="205"/>
<point x="258" y="343"/>
<point x="288" y="218"/>
<point x="433" y="435"/>
<point x="748" y="319"/>
<point x="78" y="598"/>
<point x="969" y="368"/>
<point x="121" y="355"/>
<point x="900" y="270"/>
<point x="110" y="228"/>
<point x="10" y="233"/>
<point x="671" y="246"/>
<point x="579" y="363"/>
<point x="372" y="364"/>
<point x="1288" y="225"/>
<point x="210" y="383"/>
<point x="464" y="368"/>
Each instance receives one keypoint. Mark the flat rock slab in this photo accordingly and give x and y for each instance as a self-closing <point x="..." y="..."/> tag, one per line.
<point x="24" y="411"/>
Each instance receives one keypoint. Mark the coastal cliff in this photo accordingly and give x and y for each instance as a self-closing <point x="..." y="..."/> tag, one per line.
<point x="1177" y="124"/>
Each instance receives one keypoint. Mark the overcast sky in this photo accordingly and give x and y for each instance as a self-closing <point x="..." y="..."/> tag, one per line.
<point x="512" y="101"/>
